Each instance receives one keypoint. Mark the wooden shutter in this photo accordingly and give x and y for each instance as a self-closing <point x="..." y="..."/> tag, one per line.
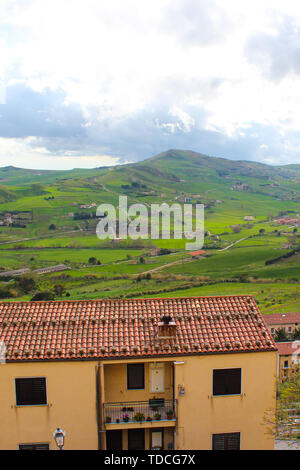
<point x="31" y="391"/>
<point x="34" y="447"/>
<point x="135" y="376"/>
<point x="227" y="381"/>
<point x="227" y="441"/>
<point x="156" y="377"/>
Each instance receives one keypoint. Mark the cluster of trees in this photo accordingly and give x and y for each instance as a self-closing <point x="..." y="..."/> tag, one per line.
<point x="282" y="336"/>
<point x="286" y="255"/>
<point x="27" y="284"/>
<point x="84" y="215"/>
<point x="94" y="261"/>
<point x="282" y="423"/>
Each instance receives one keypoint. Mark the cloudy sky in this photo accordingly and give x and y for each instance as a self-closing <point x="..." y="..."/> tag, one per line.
<point x="86" y="83"/>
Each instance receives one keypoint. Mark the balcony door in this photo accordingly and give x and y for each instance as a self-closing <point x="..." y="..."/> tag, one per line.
<point x="136" y="439"/>
<point x="114" y="440"/>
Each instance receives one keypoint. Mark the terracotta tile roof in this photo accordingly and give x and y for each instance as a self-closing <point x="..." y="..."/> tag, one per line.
<point x="197" y="253"/>
<point x="287" y="348"/>
<point x="93" y="329"/>
<point x="282" y="318"/>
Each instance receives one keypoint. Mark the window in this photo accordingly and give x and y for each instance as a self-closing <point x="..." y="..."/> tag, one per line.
<point x="228" y="441"/>
<point x="33" y="446"/>
<point x="286" y="364"/>
<point x="135" y="376"/>
<point x="31" y="391"/>
<point x="227" y="381"/>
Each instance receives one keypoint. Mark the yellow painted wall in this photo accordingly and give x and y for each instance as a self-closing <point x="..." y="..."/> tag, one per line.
<point x="285" y="326"/>
<point x="287" y="372"/>
<point x="71" y="396"/>
<point x="115" y="380"/>
<point x="200" y="414"/>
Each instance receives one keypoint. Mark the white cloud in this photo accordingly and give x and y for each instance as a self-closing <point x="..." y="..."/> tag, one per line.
<point x="26" y="153"/>
<point x="145" y="75"/>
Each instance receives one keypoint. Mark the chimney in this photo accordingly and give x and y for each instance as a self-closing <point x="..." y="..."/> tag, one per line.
<point x="166" y="328"/>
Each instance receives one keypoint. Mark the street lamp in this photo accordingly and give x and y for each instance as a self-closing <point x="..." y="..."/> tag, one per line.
<point x="59" y="437"/>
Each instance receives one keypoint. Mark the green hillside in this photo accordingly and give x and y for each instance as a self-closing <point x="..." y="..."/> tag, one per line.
<point x="54" y="222"/>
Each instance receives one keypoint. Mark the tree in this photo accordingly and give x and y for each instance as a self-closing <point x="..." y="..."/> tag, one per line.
<point x="92" y="260"/>
<point x="27" y="283"/>
<point x="142" y="260"/>
<point x="52" y="227"/>
<point x="59" y="289"/>
<point x="281" y="336"/>
<point x="282" y="422"/>
<point x="43" y="295"/>
<point x="262" y="231"/>
<point x="5" y="292"/>
<point x="296" y="334"/>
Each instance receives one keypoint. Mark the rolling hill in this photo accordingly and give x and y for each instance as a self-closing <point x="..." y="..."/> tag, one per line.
<point x="241" y="200"/>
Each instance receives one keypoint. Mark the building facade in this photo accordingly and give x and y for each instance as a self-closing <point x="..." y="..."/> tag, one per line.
<point x="288" y="359"/>
<point x="287" y="321"/>
<point x="182" y="373"/>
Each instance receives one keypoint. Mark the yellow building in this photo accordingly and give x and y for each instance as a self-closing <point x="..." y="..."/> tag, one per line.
<point x="182" y="373"/>
<point x="288" y="359"/>
<point x="289" y="322"/>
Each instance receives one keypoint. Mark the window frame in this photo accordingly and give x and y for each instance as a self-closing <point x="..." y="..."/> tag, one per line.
<point x="227" y="394"/>
<point x="144" y="376"/>
<point x="35" y="404"/>
<point x="225" y="434"/>
<point x="34" y="444"/>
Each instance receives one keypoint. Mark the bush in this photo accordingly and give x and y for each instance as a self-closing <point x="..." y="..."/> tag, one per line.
<point x="5" y="292"/>
<point x="27" y="283"/>
<point x="43" y="295"/>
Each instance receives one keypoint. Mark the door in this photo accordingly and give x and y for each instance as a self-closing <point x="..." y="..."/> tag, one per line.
<point x="114" y="440"/>
<point x="136" y="439"/>
<point x="157" y="439"/>
<point x="157" y="377"/>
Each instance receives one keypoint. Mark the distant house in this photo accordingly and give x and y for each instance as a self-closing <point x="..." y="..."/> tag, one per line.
<point x="288" y="359"/>
<point x="287" y="221"/>
<point x="287" y="321"/>
<point x="249" y="217"/>
<point x="197" y="254"/>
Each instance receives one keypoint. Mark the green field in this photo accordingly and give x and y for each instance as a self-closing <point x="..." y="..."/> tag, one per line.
<point x="57" y="230"/>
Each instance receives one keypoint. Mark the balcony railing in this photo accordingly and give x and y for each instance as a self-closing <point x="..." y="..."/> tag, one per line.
<point x="140" y="411"/>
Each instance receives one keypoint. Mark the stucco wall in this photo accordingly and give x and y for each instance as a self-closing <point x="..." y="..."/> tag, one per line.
<point x="200" y="414"/>
<point x="71" y="396"/>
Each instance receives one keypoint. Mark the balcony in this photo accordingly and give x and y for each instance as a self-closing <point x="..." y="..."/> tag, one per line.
<point x="152" y="413"/>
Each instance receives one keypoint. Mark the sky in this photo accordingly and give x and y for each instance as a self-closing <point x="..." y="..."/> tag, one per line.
<point x="87" y="83"/>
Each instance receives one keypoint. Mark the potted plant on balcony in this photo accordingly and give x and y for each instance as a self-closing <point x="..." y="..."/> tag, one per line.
<point x="157" y="416"/>
<point x="149" y="418"/>
<point x="108" y="419"/>
<point x="126" y="418"/>
<point x="139" y="417"/>
<point x="169" y="414"/>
